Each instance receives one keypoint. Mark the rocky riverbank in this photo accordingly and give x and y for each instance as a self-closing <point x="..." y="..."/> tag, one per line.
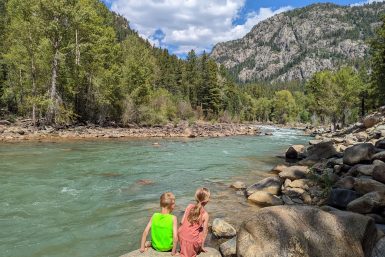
<point x="22" y="130"/>
<point x="330" y="202"/>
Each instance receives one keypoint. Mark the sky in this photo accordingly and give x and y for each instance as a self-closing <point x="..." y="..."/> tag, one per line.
<point x="182" y="25"/>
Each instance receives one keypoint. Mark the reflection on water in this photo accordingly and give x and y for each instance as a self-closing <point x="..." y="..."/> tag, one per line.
<point x="94" y="198"/>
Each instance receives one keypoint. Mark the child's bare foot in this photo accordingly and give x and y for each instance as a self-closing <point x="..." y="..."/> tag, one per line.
<point x="147" y="245"/>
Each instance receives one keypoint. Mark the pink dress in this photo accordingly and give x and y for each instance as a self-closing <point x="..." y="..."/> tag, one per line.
<point x="190" y="235"/>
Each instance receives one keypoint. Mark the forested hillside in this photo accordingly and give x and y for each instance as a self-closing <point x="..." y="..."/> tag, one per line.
<point x="65" y="62"/>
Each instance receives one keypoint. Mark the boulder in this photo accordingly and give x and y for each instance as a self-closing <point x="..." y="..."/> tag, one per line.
<point x="323" y="150"/>
<point x="379" y="173"/>
<point x="239" y="185"/>
<point x="299" y="231"/>
<point x="271" y="185"/>
<point x="287" y="200"/>
<point x="315" y="142"/>
<point x="221" y="228"/>
<point x="265" y="199"/>
<point x="380" y="144"/>
<point x="229" y="248"/>
<point x="367" y="185"/>
<point x="367" y="203"/>
<point x="293" y="192"/>
<point x="379" y="248"/>
<point x="359" y="153"/>
<point x="345" y="183"/>
<point x="361" y="136"/>
<point x="377" y="218"/>
<point x="211" y="252"/>
<point x="366" y="169"/>
<point x="295" y="152"/>
<point x="370" y="121"/>
<point x="5" y="122"/>
<point x="379" y="156"/>
<point x="279" y="168"/>
<point x="294" y="172"/>
<point x="336" y="161"/>
<point x="341" y="197"/>
<point x="300" y="183"/>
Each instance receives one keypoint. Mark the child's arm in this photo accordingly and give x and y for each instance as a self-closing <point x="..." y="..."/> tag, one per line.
<point x="175" y="235"/>
<point x="144" y="237"/>
<point x="184" y="215"/>
<point x="205" y="230"/>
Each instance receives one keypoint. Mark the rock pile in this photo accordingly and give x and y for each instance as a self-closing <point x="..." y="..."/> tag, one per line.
<point x="342" y="175"/>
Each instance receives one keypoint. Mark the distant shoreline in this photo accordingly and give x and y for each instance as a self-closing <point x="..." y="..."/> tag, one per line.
<point x="22" y="132"/>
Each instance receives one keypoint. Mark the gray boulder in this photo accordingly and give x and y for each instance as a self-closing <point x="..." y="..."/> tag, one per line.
<point x="366" y="169"/>
<point x="229" y="248"/>
<point x="367" y="203"/>
<point x="367" y="185"/>
<point x="323" y="150"/>
<point x="380" y="144"/>
<point x="299" y="231"/>
<point x="345" y="183"/>
<point x="279" y="168"/>
<point x="239" y="185"/>
<point x="379" y="156"/>
<point x="5" y="122"/>
<point x="221" y="228"/>
<point x="211" y="252"/>
<point x="265" y="199"/>
<point x="271" y="185"/>
<point x="359" y="153"/>
<point x="295" y="152"/>
<point x="341" y="197"/>
<point x="293" y="192"/>
<point x="379" y="173"/>
<point x="379" y="248"/>
<point x="294" y="172"/>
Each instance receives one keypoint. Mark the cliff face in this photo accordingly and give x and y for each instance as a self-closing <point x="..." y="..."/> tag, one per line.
<point x="295" y="44"/>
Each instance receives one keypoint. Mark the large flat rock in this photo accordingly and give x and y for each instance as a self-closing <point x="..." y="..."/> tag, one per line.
<point x="299" y="231"/>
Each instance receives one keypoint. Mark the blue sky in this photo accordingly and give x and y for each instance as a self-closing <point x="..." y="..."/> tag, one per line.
<point x="182" y="25"/>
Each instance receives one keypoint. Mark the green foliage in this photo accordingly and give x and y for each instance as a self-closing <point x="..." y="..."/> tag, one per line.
<point x="284" y="107"/>
<point x="335" y="95"/>
<point x="378" y="65"/>
<point x="263" y="109"/>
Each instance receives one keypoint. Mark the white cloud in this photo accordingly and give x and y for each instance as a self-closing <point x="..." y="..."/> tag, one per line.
<point x="366" y="2"/>
<point x="190" y="24"/>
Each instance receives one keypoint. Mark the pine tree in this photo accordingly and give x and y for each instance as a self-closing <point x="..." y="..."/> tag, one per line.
<point x="192" y="78"/>
<point x="378" y="64"/>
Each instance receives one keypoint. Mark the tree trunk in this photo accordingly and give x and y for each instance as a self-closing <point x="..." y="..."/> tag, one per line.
<point x="33" y="71"/>
<point x="52" y="111"/>
<point x="33" y="76"/>
<point x="77" y="50"/>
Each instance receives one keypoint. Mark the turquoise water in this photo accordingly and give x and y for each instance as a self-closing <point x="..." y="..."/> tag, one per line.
<point x="86" y="198"/>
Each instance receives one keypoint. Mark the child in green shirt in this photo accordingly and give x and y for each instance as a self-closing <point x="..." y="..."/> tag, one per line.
<point x="163" y="227"/>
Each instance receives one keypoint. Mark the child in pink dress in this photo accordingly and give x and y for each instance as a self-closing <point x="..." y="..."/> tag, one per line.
<point x="193" y="230"/>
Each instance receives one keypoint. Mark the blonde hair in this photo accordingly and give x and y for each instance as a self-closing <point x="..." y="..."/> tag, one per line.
<point x="202" y="195"/>
<point x="167" y="199"/>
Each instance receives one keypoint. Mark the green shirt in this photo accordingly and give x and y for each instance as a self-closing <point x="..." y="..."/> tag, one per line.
<point x="162" y="232"/>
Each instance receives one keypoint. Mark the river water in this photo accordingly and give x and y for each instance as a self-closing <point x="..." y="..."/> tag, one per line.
<point x="94" y="198"/>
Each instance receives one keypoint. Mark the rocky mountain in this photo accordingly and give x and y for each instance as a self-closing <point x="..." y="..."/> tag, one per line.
<point x="295" y="44"/>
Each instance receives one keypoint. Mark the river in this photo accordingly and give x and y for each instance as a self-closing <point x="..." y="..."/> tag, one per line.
<point x="94" y="198"/>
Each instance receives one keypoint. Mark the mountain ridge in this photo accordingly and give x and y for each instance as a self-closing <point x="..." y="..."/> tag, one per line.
<point x="295" y="44"/>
